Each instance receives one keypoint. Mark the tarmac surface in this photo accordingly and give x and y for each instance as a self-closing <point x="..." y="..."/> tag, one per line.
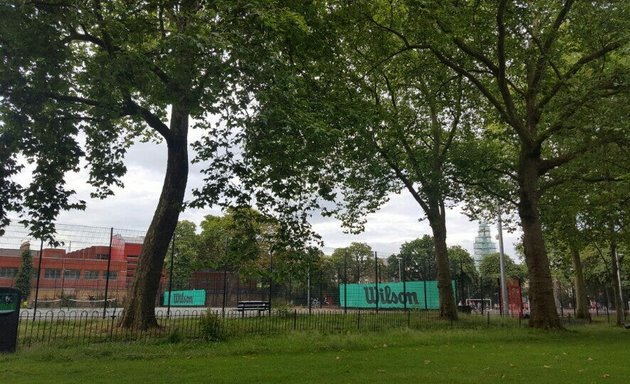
<point x="56" y="313"/>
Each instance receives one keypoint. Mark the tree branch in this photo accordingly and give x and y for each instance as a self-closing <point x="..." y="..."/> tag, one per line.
<point x="470" y="51"/>
<point x="546" y="46"/>
<point x="405" y="180"/>
<point x="501" y="74"/>
<point x="547" y="165"/>
<point x="455" y="123"/>
<point x="575" y="69"/>
<point x="77" y="100"/>
<point x="473" y="79"/>
<point x="150" y="118"/>
<point x="568" y="111"/>
<point x="130" y="108"/>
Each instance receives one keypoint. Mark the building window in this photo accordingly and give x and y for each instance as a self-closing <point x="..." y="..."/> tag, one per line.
<point x="8" y="272"/>
<point x="102" y="256"/>
<point x="52" y="273"/>
<point x="90" y="275"/>
<point x="112" y="275"/>
<point x="72" y="274"/>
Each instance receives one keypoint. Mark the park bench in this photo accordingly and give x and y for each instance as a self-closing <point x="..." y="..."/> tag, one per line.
<point x="253" y="305"/>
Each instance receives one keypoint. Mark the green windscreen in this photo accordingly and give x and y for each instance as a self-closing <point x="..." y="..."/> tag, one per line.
<point x="191" y="298"/>
<point x="411" y="294"/>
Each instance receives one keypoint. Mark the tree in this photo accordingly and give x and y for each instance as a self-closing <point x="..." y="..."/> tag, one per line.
<point x="604" y="223"/>
<point x="24" y="278"/>
<point x="418" y="259"/>
<point x="490" y="271"/>
<point x="560" y="209"/>
<point x="354" y="264"/>
<point x="83" y="80"/>
<point x="355" y="128"/>
<point x="463" y="269"/>
<point x="576" y="213"/>
<point x="182" y="260"/>
<point x="242" y="238"/>
<point x="598" y="275"/>
<point x="548" y="71"/>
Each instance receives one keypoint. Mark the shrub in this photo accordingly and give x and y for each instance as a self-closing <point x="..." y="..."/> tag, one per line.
<point x="212" y="327"/>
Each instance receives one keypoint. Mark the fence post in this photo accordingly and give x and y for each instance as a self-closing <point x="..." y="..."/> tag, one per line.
<point x="481" y="293"/>
<point x="424" y="283"/>
<point x="345" y="282"/>
<point x="270" y="277"/>
<point x="376" y="278"/>
<point x="170" y="278"/>
<point x="223" y="305"/>
<point x="109" y="264"/>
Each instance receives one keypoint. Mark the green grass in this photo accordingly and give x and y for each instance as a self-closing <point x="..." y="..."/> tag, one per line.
<point x="584" y="354"/>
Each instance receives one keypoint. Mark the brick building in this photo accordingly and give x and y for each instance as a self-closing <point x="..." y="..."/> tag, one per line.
<point x="81" y="274"/>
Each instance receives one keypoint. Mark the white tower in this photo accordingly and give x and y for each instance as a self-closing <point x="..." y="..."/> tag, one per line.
<point x="483" y="244"/>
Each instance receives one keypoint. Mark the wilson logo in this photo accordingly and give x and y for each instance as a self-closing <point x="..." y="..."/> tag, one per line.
<point x="388" y="296"/>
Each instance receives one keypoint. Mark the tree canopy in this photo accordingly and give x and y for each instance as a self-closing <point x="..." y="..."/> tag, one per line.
<point x="80" y="81"/>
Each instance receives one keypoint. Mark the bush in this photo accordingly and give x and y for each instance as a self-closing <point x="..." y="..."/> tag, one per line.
<point x="212" y="327"/>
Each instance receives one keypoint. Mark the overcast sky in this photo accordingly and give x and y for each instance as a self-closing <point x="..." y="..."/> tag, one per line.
<point x="386" y="230"/>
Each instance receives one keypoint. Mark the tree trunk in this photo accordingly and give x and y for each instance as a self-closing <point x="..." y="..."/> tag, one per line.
<point x="448" y="309"/>
<point x="543" y="313"/>
<point x="139" y="312"/>
<point x="581" y="303"/>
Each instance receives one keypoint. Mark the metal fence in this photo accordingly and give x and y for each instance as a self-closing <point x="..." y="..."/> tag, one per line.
<point x="88" y="270"/>
<point x="93" y="267"/>
<point x="75" y="327"/>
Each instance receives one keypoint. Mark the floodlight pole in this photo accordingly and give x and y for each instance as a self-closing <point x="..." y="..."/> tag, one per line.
<point x="504" y="296"/>
<point x="623" y="305"/>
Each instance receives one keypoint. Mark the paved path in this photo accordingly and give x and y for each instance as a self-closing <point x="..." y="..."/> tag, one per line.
<point x="55" y="313"/>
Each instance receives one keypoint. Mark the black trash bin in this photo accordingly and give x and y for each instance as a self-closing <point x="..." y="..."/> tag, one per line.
<point x="9" y="318"/>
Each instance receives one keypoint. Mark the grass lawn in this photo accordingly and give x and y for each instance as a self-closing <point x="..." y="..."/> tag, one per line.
<point x="583" y="354"/>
